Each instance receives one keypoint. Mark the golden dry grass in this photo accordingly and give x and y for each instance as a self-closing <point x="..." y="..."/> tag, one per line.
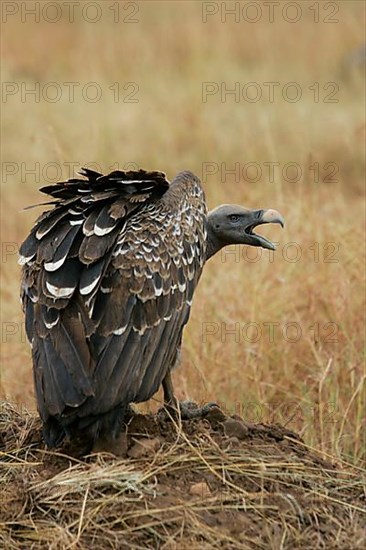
<point x="199" y="489"/>
<point x="314" y="385"/>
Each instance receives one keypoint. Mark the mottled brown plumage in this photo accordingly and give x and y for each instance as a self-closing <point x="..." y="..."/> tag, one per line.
<point x="108" y="279"/>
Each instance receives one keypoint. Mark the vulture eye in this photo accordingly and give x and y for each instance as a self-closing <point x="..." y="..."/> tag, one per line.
<point x="234" y="218"/>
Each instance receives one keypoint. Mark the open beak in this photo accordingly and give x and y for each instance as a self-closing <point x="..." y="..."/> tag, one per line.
<point x="262" y="217"/>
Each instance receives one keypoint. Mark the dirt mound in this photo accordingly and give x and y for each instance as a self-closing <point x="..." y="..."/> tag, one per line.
<point x="210" y="483"/>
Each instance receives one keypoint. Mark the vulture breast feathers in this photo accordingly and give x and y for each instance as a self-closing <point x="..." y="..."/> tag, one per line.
<point x="108" y="278"/>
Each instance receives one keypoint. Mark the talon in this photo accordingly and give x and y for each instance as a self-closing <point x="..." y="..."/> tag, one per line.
<point x="207" y="408"/>
<point x="186" y="410"/>
<point x="192" y="410"/>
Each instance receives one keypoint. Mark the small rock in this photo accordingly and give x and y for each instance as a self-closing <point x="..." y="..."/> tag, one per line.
<point x="200" y="489"/>
<point x="232" y="443"/>
<point x="215" y="414"/>
<point x="143" y="447"/>
<point x="260" y="428"/>
<point x="234" y="428"/>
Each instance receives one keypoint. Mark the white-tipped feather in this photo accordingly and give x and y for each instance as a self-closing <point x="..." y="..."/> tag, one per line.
<point x="106" y="290"/>
<point x="58" y="292"/>
<point x="100" y="232"/>
<point x="120" y="331"/>
<point x="88" y="233"/>
<point x="25" y="259"/>
<point x="51" y="325"/>
<point x="53" y="266"/>
<point x="84" y="290"/>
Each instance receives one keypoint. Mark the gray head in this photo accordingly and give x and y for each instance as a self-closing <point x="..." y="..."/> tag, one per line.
<point x="234" y="224"/>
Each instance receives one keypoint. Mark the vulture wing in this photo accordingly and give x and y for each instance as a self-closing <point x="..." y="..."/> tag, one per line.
<point x="108" y="278"/>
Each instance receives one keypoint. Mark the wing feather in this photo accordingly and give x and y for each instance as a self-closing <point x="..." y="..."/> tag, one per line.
<point x="108" y="278"/>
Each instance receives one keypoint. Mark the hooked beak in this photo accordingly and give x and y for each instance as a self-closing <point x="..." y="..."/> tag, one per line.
<point x="262" y="217"/>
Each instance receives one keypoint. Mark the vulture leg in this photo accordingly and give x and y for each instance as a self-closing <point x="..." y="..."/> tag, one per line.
<point x="187" y="409"/>
<point x="169" y="397"/>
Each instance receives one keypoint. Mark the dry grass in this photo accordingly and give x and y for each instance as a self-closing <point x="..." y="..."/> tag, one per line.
<point x="315" y="385"/>
<point x="200" y="489"/>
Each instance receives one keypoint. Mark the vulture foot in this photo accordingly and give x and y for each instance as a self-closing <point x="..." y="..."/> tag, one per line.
<point x="186" y="410"/>
<point x="190" y="409"/>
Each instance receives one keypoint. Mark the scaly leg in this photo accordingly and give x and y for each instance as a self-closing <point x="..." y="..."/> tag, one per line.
<point x="188" y="409"/>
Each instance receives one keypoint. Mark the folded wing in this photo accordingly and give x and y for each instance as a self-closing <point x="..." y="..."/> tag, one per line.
<point x="108" y="278"/>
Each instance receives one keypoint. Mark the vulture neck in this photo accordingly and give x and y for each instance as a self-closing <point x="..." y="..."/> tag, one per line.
<point x="213" y="243"/>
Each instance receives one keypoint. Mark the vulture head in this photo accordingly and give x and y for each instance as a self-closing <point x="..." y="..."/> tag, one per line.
<point x="234" y="224"/>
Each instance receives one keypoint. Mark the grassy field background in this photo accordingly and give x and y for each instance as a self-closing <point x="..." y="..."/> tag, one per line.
<point x="309" y="373"/>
